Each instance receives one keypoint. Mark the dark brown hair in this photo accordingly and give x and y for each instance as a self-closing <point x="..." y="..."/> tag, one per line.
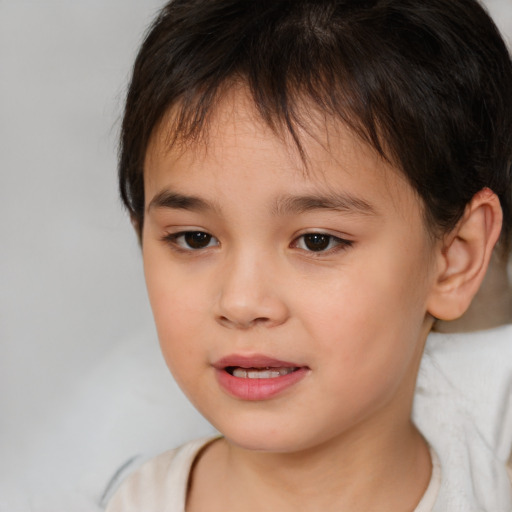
<point x="428" y="84"/>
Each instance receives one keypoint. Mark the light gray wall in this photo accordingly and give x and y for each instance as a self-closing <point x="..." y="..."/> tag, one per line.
<point x="70" y="274"/>
<point x="70" y="270"/>
<point x="71" y="284"/>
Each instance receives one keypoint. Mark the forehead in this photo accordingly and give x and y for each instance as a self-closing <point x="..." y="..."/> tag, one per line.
<point x="236" y="142"/>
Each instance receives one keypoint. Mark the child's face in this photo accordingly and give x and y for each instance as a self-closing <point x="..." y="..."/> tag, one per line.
<point x="251" y="261"/>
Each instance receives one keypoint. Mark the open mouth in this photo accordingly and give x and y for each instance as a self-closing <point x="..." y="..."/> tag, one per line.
<point x="259" y="373"/>
<point x="257" y="377"/>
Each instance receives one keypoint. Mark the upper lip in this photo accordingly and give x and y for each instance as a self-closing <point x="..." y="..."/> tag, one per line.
<point x="253" y="361"/>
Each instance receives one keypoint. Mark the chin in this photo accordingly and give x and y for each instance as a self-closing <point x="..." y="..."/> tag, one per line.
<point x="265" y="443"/>
<point x="267" y="436"/>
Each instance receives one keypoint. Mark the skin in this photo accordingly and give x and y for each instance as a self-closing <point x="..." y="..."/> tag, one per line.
<point x="355" y="314"/>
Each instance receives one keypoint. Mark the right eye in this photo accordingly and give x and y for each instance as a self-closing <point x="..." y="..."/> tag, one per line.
<point x="192" y="240"/>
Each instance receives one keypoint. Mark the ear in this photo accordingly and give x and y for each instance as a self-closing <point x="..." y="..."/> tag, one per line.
<point x="463" y="256"/>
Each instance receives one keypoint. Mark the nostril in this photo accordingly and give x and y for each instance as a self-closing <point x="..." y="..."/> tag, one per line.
<point x="261" y="320"/>
<point x="241" y="323"/>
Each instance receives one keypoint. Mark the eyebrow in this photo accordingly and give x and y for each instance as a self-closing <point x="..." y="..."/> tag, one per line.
<point x="284" y="205"/>
<point x="174" y="200"/>
<point x="344" y="203"/>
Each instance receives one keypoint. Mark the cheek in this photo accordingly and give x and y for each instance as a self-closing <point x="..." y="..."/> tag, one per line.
<point x="369" y="322"/>
<point x="177" y="312"/>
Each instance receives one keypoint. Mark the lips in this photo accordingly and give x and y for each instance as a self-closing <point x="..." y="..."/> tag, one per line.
<point x="257" y="377"/>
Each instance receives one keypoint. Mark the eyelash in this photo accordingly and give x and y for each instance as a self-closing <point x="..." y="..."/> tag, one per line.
<point x="173" y="240"/>
<point x="334" y="243"/>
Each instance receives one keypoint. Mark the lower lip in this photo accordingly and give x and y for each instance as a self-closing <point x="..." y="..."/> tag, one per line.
<point x="258" y="389"/>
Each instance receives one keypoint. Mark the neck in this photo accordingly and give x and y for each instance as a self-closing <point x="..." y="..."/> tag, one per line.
<point x="345" y="476"/>
<point x="360" y="472"/>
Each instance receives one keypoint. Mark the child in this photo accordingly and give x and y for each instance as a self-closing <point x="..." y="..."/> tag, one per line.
<point x="314" y="183"/>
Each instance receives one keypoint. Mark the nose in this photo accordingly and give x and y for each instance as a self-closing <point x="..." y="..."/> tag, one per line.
<point x="250" y="295"/>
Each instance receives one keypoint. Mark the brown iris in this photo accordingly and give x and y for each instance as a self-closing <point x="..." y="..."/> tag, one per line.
<point x="197" y="239"/>
<point x="316" y="241"/>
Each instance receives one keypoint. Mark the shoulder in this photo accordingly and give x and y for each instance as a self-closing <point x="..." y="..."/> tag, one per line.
<point x="160" y="484"/>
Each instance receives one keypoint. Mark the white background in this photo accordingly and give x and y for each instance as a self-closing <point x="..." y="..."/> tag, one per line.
<point x="76" y="332"/>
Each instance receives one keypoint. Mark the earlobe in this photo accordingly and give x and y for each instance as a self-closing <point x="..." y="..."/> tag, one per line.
<point x="463" y="256"/>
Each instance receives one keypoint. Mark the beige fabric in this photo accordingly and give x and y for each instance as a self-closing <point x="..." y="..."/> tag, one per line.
<point x="160" y="485"/>
<point x="429" y="498"/>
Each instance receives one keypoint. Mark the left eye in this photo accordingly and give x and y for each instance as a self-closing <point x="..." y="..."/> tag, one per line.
<point x="319" y="242"/>
<point x="192" y="240"/>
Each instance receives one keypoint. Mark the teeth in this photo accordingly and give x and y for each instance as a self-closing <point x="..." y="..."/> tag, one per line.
<point x="264" y="373"/>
